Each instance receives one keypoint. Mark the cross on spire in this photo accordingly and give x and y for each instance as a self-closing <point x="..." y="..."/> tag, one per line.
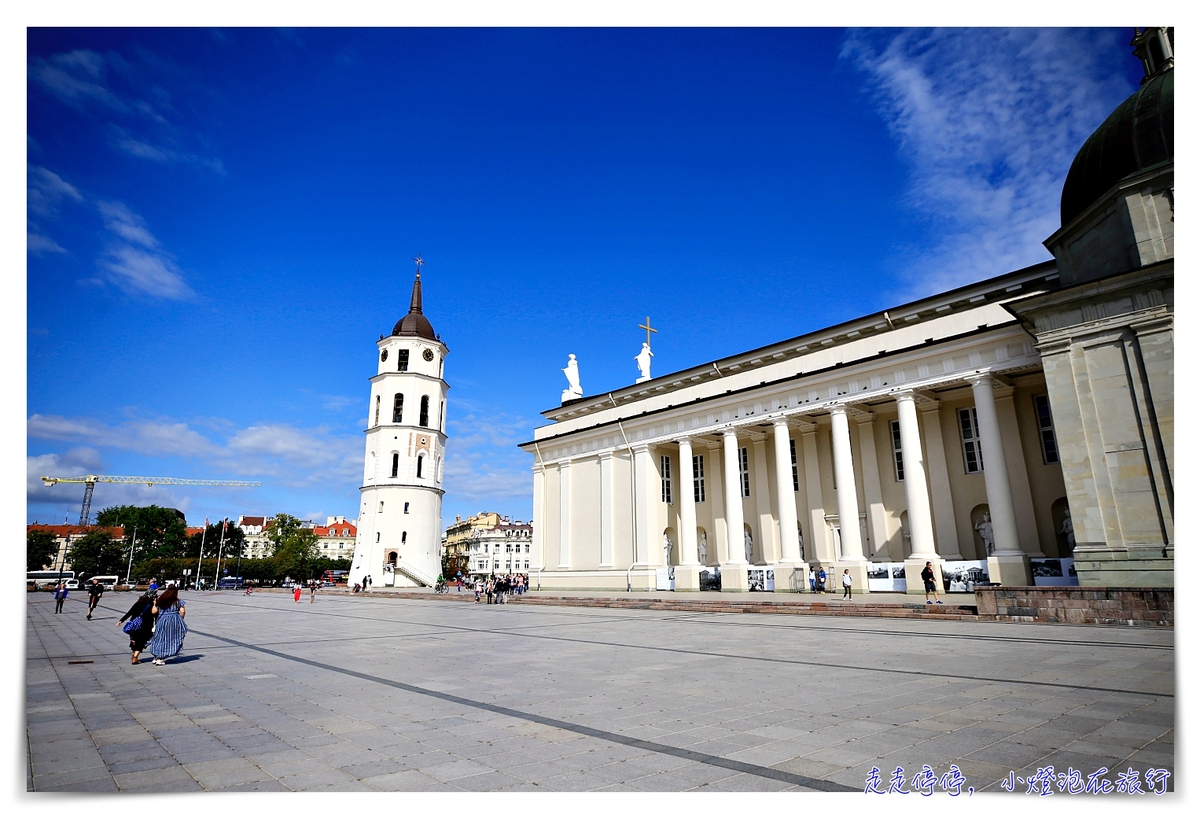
<point x="420" y="262"/>
<point x="646" y="326"/>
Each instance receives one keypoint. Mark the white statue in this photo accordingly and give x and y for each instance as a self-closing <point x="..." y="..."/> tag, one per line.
<point x="984" y="527"/>
<point x="749" y="547"/>
<point x="643" y="362"/>
<point x="1068" y="528"/>
<point x="666" y="550"/>
<point x="573" y="391"/>
<point x="800" y="542"/>
<point x="704" y="548"/>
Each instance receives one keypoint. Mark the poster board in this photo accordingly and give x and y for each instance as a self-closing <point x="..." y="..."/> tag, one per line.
<point x="1054" y="572"/>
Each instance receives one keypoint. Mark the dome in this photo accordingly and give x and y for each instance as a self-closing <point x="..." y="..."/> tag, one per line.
<point x="1137" y="136"/>
<point x="415" y="323"/>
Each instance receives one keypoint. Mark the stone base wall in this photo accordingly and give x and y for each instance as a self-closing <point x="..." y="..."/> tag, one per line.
<point x="1078" y="605"/>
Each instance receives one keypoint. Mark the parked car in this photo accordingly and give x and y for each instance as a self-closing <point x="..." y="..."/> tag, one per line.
<point x="72" y="585"/>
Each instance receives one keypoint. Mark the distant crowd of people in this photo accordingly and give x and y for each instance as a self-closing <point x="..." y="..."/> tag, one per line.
<point x="497" y="589"/>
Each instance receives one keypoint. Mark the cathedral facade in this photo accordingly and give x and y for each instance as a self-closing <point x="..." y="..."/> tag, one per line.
<point x="399" y="524"/>
<point x="1008" y="428"/>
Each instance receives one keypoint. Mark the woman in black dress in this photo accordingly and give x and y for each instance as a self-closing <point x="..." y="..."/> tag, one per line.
<point x="140" y="636"/>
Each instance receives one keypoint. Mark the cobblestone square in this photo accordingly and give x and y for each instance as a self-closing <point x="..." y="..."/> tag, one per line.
<point x="372" y="693"/>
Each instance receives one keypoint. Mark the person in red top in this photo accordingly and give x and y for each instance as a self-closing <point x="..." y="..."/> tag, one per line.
<point x="296" y="592"/>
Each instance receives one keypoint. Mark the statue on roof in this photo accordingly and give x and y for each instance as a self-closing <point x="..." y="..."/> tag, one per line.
<point x="573" y="391"/>
<point x="643" y="362"/>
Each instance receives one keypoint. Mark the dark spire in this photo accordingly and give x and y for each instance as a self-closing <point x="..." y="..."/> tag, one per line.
<point x="415" y="323"/>
<point x="415" y="304"/>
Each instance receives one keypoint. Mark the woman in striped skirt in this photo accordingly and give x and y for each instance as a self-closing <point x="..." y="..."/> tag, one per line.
<point x="169" y="629"/>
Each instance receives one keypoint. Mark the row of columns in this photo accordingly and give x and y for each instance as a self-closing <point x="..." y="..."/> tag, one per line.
<point x="1009" y="564"/>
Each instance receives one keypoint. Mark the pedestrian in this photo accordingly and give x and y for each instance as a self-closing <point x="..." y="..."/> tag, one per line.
<point x="930" y="583"/>
<point x="312" y="591"/>
<point x="491" y="589"/>
<point x="296" y="590"/>
<point x="249" y="590"/>
<point x="141" y="624"/>
<point x="478" y="590"/>
<point x="154" y="586"/>
<point x="357" y="588"/>
<point x="169" y="629"/>
<point x="367" y="586"/>
<point x="95" y="591"/>
<point x="847" y="582"/>
<point x="60" y="596"/>
<point x="812" y="580"/>
<point x="821" y="581"/>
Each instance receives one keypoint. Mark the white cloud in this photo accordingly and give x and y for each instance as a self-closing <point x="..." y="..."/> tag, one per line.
<point x="988" y="121"/>
<point x="483" y="462"/>
<point x="134" y="259"/>
<point x="46" y="190"/>
<point x="76" y="78"/>
<point x="38" y="244"/>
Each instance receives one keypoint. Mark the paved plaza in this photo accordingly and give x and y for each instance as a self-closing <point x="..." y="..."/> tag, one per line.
<point x="372" y="693"/>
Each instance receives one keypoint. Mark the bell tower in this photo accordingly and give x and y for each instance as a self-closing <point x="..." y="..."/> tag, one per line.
<point x="400" y="520"/>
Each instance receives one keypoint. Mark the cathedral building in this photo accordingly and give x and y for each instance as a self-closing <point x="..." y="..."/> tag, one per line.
<point x="1014" y="430"/>
<point x="399" y="522"/>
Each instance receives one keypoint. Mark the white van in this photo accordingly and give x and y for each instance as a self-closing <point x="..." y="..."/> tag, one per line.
<point x="109" y="582"/>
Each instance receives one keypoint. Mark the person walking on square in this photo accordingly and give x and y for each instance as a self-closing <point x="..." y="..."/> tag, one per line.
<point x="312" y="591"/>
<point x="60" y="596"/>
<point x="169" y="629"/>
<point x="930" y="583"/>
<point x="490" y="589"/>
<point x="847" y="582"/>
<point x="812" y="580"/>
<point x="478" y="590"/>
<point x="296" y="590"/>
<point x="95" y="591"/>
<point x="139" y="636"/>
<point x="821" y="581"/>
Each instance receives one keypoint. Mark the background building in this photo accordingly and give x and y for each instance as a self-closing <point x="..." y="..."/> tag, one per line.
<point x="493" y="544"/>
<point x="335" y="539"/>
<point x="65" y="536"/>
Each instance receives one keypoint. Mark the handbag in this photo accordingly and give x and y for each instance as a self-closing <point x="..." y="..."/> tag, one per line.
<point x="135" y="623"/>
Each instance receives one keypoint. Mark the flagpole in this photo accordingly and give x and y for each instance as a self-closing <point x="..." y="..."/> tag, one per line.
<point x="217" y="577"/>
<point x="129" y="570"/>
<point x="200" y="561"/>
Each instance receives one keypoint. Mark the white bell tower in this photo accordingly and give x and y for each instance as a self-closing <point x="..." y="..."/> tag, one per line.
<point x="400" y="521"/>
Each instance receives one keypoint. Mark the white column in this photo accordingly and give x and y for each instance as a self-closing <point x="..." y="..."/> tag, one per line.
<point x="734" y="570"/>
<point x="606" y="510"/>
<point x="920" y="520"/>
<point x="768" y="547"/>
<point x="647" y="547"/>
<point x="785" y="496"/>
<point x="941" y="498"/>
<point x="688" y="555"/>
<point x="716" y="503"/>
<point x="1008" y="565"/>
<point x="872" y="490"/>
<point x="818" y="535"/>
<point x="539" y="515"/>
<point x="564" y="515"/>
<point x="847" y="493"/>
<point x="735" y="525"/>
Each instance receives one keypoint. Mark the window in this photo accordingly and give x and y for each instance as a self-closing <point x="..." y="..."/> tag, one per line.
<point x="527" y="551"/>
<point x="497" y="549"/>
<point x="698" y="477"/>
<point x="406" y="508"/>
<point x="380" y="506"/>
<point x="968" y="425"/>
<point x="420" y="463"/>
<point x="1041" y="407"/>
<point x="403" y="537"/>
<point x="402" y="361"/>
<point x="526" y="565"/>
<point x="377" y="536"/>
<point x="398" y="409"/>
<point x="395" y="464"/>
<point x="376" y="410"/>
<point x="442" y="418"/>
<point x="424" y="421"/>
<point x="508" y="548"/>
<point x="795" y="474"/>
<point x="744" y="470"/>
<point x="665" y="462"/>
<point x="897" y="455"/>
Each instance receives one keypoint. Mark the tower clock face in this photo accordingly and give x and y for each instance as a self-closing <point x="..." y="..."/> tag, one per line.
<point x="427" y="355"/>
<point x="383" y="355"/>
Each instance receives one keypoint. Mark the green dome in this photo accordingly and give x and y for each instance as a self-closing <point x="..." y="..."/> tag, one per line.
<point x="1137" y="136"/>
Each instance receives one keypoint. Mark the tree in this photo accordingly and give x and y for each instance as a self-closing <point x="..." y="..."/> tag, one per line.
<point x="97" y="553"/>
<point x="453" y="563"/>
<point x="295" y="547"/>
<point x="235" y="538"/>
<point x="161" y="532"/>
<point x="41" y="546"/>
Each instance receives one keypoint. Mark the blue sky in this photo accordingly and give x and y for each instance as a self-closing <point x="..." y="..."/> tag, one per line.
<point x="221" y="222"/>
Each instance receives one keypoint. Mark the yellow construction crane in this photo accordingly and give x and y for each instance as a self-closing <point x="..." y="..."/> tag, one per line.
<point x="90" y="481"/>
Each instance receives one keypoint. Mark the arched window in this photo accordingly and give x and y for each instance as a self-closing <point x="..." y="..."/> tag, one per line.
<point x="403" y="536"/>
<point x="420" y="463"/>
<point x="380" y="506"/>
<point x="376" y="410"/>
<point x="398" y="409"/>
<point x="396" y="470"/>
<point x="406" y="508"/>
<point x="442" y="418"/>
<point x="392" y="555"/>
<point x="377" y="536"/>
<point x="370" y="466"/>
<point x="424" y="411"/>
<point x="402" y="361"/>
